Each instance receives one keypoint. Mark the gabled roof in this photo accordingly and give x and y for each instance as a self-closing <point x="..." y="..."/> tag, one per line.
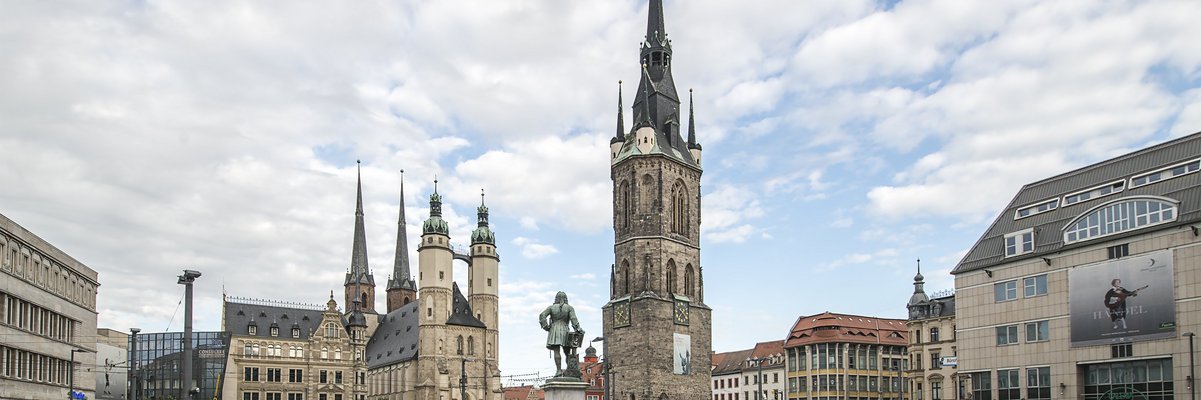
<point x="769" y="350"/>
<point x="395" y="339"/>
<point x="461" y="312"/>
<point x="829" y="327"/>
<point x="1048" y="227"/>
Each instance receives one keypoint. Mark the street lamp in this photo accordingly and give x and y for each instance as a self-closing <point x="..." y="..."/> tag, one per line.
<point x="133" y="362"/>
<point x="71" y="376"/>
<point x="759" y="376"/>
<point x="188" y="277"/>
<point x="604" y="364"/>
<point x="463" y="379"/>
<point x="1192" y="371"/>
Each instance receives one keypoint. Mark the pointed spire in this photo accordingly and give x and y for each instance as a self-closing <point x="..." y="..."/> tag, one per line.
<point x="691" y="122"/>
<point x="621" y="121"/>
<point x="655" y="28"/>
<point x="648" y="88"/>
<point x="359" y="272"/>
<point x="401" y="277"/>
<point x="482" y="234"/>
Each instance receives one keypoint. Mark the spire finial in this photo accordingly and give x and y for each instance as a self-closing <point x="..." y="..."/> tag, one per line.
<point x="435" y="183"/>
<point x="481" y="197"/>
<point x="918" y="278"/>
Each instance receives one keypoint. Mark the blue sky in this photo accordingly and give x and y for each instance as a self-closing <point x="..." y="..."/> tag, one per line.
<point x="843" y="139"/>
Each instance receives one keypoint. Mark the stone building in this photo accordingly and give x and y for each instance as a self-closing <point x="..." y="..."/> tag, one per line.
<point x="841" y="356"/>
<point x="47" y="318"/>
<point x="932" y="352"/>
<point x="656" y="324"/>
<point x="1085" y="283"/>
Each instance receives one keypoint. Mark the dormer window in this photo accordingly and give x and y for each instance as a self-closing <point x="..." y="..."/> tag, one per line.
<point x="1020" y="242"/>
<point x="252" y="330"/>
<point x="274" y="331"/>
<point x="296" y="332"/>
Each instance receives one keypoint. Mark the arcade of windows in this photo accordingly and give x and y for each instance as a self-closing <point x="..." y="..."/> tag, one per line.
<point x="846" y="367"/>
<point x="41" y="271"/>
<point x="622" y="286"/>
<point x="1162" y="174"/>
<point x="24" y="365"/>
<point x="678" y="211"/>
<point x="27" y="316"/>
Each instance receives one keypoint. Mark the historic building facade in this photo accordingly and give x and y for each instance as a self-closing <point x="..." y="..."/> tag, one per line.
<point x="932" y="351"/>
<point x="727" y="374"/>
<point x="47" y="318"/>
<point x="656" y="324"/>
<point x="840" y="356"/>
<point x="1085" y="283"/>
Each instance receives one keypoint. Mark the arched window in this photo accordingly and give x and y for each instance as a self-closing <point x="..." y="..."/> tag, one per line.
<point x="363" y="301"/>
<point x="646" y="193"/>
<point x="689" y="281"/>
<point x="470" y="345"/>
<point x="337" y="354"/>
<point x="625" y="277"/>
<point x="624" y="205"/>
<point x="671" y="277"/>
<point x="679" y="208"/>
<point x="324" y="353"/>
<point x="459" y="351"/>
<point x="1124" y="214"/>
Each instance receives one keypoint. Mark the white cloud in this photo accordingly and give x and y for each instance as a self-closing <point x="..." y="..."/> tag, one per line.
<point x="531" y="249"/>
<point x="727" y="210"/>
<point x="585" y="276"/>
<point x="882" y="256"/>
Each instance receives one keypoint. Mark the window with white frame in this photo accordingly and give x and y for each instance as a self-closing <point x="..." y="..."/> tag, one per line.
<point x="1094" y="192"/>
<point x="1038" y="383"/>
<point x="1020" y="242"/>
<point x="1036" y="208"/>
<point x="1038" y="331"/>
<point x="1009" y="386"/>
<point x="1120" y="216"/>
<point x="1007" y="335"/>
<point x="1034" y="285"/>
<point x="1166" y="173"/>
<point x="1005" y="291"/>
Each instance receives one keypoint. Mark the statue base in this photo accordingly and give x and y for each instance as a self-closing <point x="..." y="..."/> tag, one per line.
<point x="564" y="388"/>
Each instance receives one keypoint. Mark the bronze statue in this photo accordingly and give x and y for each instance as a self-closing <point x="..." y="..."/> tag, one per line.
<point x="554" y="321"/>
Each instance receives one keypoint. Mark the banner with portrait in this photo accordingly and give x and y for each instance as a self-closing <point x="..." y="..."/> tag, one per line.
<point x="682" y="354"/>
<point x="1123" y="300"/>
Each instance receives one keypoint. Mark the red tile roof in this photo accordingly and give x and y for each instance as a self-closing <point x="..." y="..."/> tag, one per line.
<point x="829" y="327"/>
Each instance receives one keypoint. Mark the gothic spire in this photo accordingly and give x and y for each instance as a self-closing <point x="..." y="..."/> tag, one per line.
<point x="401" y="277"/>
<point x="692" y="123"/>
<point x="655" y="28"/>
<point x="359" y="272"/>
<point x="621" y="121"/>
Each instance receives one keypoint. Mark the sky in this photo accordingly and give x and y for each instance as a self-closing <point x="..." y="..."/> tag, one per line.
<point x="843" y="140"/>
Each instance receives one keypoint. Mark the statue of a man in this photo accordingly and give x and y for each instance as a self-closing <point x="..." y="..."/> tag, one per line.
<point x="554" y="321"/>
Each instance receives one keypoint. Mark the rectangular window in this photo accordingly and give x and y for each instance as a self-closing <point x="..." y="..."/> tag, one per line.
<point x="274" y="375"/>
<point x="1034" y="285"/>
<point x="1007" y="335"/>
<point x="1038" y="331"/>
<point x="323" y="377"/>
<point x="250" y="395"/>
<point x="337" y="376"/>
<point x="295" y="396"/>
<point x="1005" y="291"/>
<point x="1038" y="383"/>
<point x="1036" y="208"/>
<point x="935" y="390"/>
<point x="935" y="360"/>
<point x="1165" y="173"/>
<point x="1122" y="350"/>
<point x="250" y="374"/>
<point x="1020" y="242"/>
<point x="1118" y="251"/>
<point x="1009" y="387"/>
<point x="1094" y="192"/>
<point x="274" y="396"/>
<point x="295" y="375"/>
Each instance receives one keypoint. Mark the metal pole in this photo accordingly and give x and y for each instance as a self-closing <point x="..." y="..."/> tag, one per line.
<point x="133" y="363"/>
<point x="71" y="376"/>
<point x="463" y="381"/>
<point x="1192" y="386"/>
<point x="186" y="280"/>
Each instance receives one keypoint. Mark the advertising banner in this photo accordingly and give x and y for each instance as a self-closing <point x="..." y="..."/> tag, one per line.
<point x="1123" y="300"/>
<point x="682" y="363"/>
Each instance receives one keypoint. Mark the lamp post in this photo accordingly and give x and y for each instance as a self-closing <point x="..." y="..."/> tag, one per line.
<point x="759" y="376"/>
<point x="604" y="364"/>
<point x="463" y="379"/>
<point x="71" y="376"/>
<point x="1192" y="371"/>
<point x="188" y="277"/>
<point x="133" y="363"/>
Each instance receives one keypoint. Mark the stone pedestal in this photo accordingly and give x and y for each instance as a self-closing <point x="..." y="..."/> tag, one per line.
<point x="564" y="389"/>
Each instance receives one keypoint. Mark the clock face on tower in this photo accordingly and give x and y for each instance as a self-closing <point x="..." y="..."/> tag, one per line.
<point x="681" y="312"/>
<point x="621" y="314"/>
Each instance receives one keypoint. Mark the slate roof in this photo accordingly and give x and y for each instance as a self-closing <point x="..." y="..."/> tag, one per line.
<point x="395" y="339"/>
<point x="1048" y="226"/>
<point x="829" y="327"/>
<point x="461" y="312"/>
<point x="238" y="317"/>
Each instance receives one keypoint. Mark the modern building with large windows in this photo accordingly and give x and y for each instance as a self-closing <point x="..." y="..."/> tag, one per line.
<point x="1086" y="282"/>
<point x="156" y="369"/>
<point x="846" y="357"/>
<point x="47" y="318"/>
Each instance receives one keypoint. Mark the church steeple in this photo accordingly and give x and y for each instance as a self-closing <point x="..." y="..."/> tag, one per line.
<point x="401" y="288"/>
<point x="359" y="283"/>
<point x="656" y="104"/>
<point x="435" y="223"/>
<point x="482" y="234"/>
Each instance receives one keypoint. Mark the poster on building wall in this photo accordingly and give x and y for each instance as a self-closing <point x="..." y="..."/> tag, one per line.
<point x="682" y="363"/>
<point x="1123" y="300"/>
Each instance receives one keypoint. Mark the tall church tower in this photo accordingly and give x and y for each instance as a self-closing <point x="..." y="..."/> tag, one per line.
<point x="360" y="285"/>
<point x="657" y="328"/>
<point x="401" y="288"/>
<point x="484" y="283"/>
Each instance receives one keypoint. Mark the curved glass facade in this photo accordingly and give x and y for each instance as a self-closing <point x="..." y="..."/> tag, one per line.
<point x="1119" y="216"/>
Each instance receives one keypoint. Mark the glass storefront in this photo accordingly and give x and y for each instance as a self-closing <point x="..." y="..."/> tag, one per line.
<point x="158" y="364"/>
<point x="1134" y="380"/>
